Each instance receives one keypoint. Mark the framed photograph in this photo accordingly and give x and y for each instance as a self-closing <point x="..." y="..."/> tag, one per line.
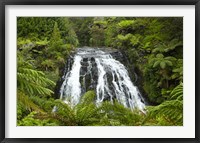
<point x="99" y="71"/>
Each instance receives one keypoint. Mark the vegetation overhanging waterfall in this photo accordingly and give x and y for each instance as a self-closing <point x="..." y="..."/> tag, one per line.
<point x="107" y="76"/>
<point x="137" y="82"/>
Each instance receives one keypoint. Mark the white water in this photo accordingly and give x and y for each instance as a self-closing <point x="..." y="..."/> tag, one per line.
<point x="120" y="87"/>
<point x="71" y="88"/>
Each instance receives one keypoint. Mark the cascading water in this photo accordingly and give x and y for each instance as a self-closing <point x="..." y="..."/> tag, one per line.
<point x="94" y="68"/>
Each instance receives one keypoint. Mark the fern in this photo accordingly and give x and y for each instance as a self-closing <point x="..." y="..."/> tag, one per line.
<point x="86" y="110"/>
<point x="83" y="114"/>
<point x="33" y="81"/>
<point x="164" y="48"/>
<point x="31" y="120"/>
<point x="117" y="114"/>
<point x="27" y="102"/>
<point x="170" y="111"/>
<point x="177" y="93"/>
<point x="66" y="112"/>
<point x="125" y="24"/>
<point x="178" y="70"/>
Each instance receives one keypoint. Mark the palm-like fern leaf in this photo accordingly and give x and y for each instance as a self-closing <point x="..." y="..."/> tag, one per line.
<point x="86" y="110"/>
<point x="177" y="93"/>
<point x="116" y="114"/>
<point x="171" y="110"/>
<point x="33" y="81"/>
<point x="27" y="102"/>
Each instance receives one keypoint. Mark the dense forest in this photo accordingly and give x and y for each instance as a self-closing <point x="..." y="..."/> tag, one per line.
<point x="152" y="45"/>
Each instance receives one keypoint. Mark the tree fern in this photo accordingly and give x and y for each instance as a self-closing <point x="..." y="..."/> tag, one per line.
<point x="177" y="93"/>
<point x="27" y="102"/>
<point x="32" y="120"/>
<point x="33" y="82"/>
<point x="66" y="112"/>
<point x="83" y="114"/>
<point x="169" y="46"/>
<point x="117" y="114"/>
<point x="86" y="110"/>
<point x="170" y="111"/>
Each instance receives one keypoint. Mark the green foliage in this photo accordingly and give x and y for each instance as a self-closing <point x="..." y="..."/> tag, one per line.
<point x="30" y="120"/>
<point x="22" y="43"/>
<point x="124" y="38"/>
<point x="42" y="42"/>
<point x="153" y="46"/>
<point x="33" y="81"/>
<point x="97" y="33"/>
<point x="72" y="38"/>
<point x="107" y="114"/>
<point x="85" y="113"/>
<point x="115" y="114"/>
<point x="177" y="93"/>
<point x="48" y="64"/>
<point x="125" y="24"/>
<point x="162" y="61"/>
<point x="169" y="112"/>
<point x="178" y="70"/>
<point x="26" y="102"/>
<point x="81" y="26"/>
<point x="55" y="41"/>
<point x="171" y="45"/>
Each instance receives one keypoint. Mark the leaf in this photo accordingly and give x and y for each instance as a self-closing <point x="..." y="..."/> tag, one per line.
<point x="27" y="102"/>
<point x="162" y="65"/>
<point x="170" y="58"/>
<point x="159" y="56"/>
<point x="169" y="63"/>
<point x="171" y="111"/>
<point x="125" y="23"/>
<point x="135" y="40"/>
<point x="156" y="64"/>
<point x="147" y="44"/>
<point x="177" y="92"/>
<point x="33" y="81"/>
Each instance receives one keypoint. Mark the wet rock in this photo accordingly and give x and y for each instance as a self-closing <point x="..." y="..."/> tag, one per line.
<point x="93" y="64"/>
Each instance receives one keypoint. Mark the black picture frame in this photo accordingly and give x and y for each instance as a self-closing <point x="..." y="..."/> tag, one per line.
<point x="3" y="4"/>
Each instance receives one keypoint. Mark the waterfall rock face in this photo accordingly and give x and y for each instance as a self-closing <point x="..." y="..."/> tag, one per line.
<point x="100" y="70"/>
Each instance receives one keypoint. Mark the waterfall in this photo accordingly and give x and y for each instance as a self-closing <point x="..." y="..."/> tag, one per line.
<point x="71" y="88"/>
<point x="94" y="68"/>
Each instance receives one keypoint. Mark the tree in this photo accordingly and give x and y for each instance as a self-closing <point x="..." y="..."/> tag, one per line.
<point x="31" y="81"/>
<point x="72" y="38"/>
<point x="55" y="41"/>
<point x="97" y="33"/>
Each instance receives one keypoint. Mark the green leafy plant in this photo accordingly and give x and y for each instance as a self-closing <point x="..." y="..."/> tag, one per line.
<point x="162" y="61"/>
<point x="33" y="81"/>
<point x="171" y="111"/>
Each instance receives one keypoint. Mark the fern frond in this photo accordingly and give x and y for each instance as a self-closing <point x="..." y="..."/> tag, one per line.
<point x="86" y="110"/>
<point x="172" y="111"/>
<point x="27" y="102"/>
<point x="177" y="92"/>
<point x="33" y="81"/>
<point x="116" y="112"/>
<point x="66" y="112"/>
